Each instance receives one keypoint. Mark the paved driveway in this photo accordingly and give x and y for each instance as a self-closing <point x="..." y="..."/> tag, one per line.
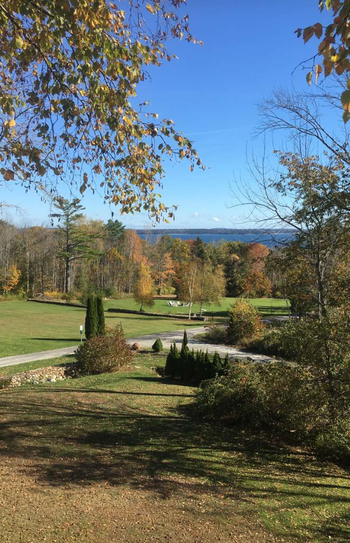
<point x="145" y="342"/>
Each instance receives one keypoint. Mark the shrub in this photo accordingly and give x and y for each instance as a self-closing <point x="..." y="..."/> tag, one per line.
<point x="216" y="334"/>
<point x="157" y="346"/>
<point x="91" y="319"/>
<point x="258" y="395"/>
<point x="283" y="397"/>
<point x="104" y="354"/>
<point x="53" y="295"/>
<point x="245" y="322"/>
<point x="101" y="326"/>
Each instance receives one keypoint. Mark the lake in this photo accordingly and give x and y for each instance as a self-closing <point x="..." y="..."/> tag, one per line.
<point x="267" y="238"/>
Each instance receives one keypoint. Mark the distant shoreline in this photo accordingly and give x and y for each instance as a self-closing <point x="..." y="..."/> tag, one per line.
<point x="271" y="238"/>
<point x="217" y="231"/>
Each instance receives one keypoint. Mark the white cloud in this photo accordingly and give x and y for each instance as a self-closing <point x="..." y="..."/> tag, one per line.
<point x="216" y="219"/>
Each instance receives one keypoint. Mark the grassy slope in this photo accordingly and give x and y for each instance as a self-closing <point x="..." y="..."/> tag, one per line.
<point x="267" y="306"/>
<point x="27" y="327"/>
<point x="111" y="458"/>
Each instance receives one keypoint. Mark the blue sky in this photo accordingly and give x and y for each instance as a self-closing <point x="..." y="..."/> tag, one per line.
<point x="211" y="93"/>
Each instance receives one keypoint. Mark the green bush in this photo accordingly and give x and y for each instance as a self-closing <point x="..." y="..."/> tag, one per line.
<point x="245" y="322"/>
<point x="157" y="346"/>
<point x="104" y="354"/>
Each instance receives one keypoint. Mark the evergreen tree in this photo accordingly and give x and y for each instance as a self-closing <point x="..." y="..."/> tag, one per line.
<point x="75" y="239"/>
<point x="172" y="362"/>
<point x="101" y="325"/>
<point x="184" y="346"/>
<point x="189" y="367"/>
<point x="91" y="320"/>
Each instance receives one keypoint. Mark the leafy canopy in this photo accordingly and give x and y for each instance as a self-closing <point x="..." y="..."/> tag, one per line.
<point x="68" y="82"/>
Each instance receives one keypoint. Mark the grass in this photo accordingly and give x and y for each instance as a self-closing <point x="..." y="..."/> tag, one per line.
<point x="29" y="327"/>
<point x="115" y="458"/>
<point x="266" y="306"/>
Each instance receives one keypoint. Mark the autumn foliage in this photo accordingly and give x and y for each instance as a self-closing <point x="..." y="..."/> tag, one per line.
<point x="245" y="322"/>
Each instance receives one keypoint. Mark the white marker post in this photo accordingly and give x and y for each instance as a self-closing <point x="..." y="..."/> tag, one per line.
<point x="81" y="333"/>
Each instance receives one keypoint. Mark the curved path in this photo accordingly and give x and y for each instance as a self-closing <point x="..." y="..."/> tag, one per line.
<point x="145" y="342"/>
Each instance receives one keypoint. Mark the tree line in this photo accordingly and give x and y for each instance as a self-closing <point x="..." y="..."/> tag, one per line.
<point x="80" y="256"/>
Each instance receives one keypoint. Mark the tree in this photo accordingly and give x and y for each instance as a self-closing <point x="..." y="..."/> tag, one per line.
<point x="11" y="279"/>
<point x="256" y="255"/>
<point x="162" y="267"/>
<point x="211" y="284"/>
<point x="91" y="319"/>
<point x="257" y="285"/>
<point x="309" y="197"/>
<point x="101" y="325"/>
<point x="245" y="322"/>
<point x="70" y="72"/>
<point x="74" y="237"/>
<point x="304" y="118"/>
<point x="188" y="290"/>
<point x="144" y="287"/>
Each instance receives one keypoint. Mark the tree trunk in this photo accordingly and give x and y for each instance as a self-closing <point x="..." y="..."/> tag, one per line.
<point x="190" y="311"/>
<point x="67" y="276"/>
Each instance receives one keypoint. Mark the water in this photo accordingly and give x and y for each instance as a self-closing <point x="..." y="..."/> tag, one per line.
<point x="268" y="239"/>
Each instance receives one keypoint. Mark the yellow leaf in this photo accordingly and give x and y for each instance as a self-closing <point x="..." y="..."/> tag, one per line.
<point x="150" y="8"/>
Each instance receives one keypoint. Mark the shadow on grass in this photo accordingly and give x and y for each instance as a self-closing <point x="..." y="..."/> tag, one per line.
<point x="117" y="392"/>
<point x="94" y="435"/>
<point x="70" y="340"/>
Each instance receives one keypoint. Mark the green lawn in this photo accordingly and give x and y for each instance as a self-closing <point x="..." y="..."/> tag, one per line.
<point x="28" y="327"/>
<point x="267" y="306"/>
<point x="116" y="458"/>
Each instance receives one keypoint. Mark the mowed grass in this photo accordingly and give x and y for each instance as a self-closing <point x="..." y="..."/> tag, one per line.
<point x="266" y="306"/>
<point x="116" y="457"/>
<point x="27" y="327"/>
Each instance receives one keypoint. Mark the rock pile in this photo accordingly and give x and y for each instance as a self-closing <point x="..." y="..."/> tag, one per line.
<point x="51" y="374"/>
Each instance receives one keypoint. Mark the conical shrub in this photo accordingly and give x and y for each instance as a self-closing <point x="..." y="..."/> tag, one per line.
<point x="91" y="320"/>
<point x="101" y="325"/>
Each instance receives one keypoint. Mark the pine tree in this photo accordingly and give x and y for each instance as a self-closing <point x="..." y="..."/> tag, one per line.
<point x="91" y="320"/>
<point x="101" y="325"/>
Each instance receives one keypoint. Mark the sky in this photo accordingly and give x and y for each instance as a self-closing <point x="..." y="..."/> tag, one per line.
<point x="211" y="93"/>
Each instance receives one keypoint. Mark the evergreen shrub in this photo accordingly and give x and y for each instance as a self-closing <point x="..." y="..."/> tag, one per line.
<point x="157" y="346"/>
